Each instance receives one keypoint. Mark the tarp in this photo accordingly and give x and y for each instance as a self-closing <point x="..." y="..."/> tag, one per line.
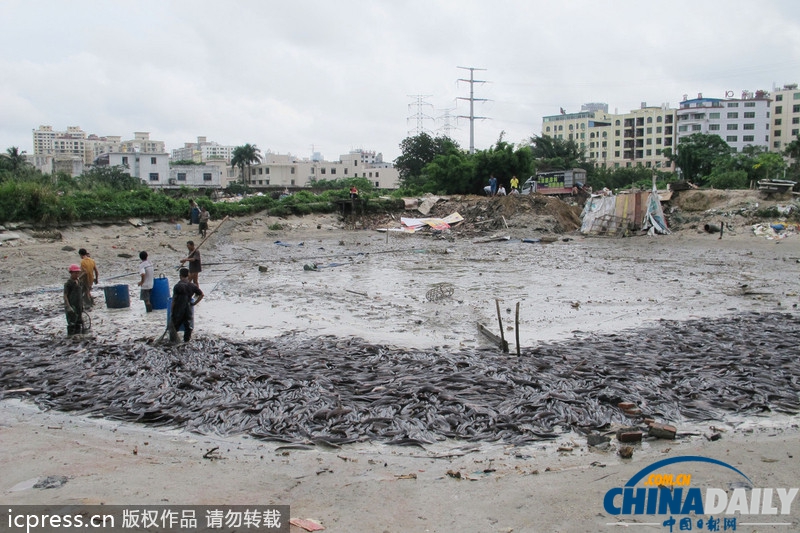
<point x="597" y="208"/>
<point x="654" y="221"/>
<point x="603" y="215"/>
<point x="411" y="225"/>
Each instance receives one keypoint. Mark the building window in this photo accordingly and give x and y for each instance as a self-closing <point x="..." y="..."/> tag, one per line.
<point x="333" y="171"/>
<point x="731" y="138"/>
<point x="796" y="109"/>
<point x="731" y="127"/>
<point x="748" y="138"/>
<point x="649" y="131"/>
<point x="124" y="160"/>
<point x="377" y="184"/>
<point x="377" y="174"/>
<point x="547" y="129"/>
<point x="778" y="110"/>
<point x="696" y="127"/>
<point x="749" y="114"/>
<point x="713" y="127"/>
<point x="749" y="104"/>
<point x="266" y="170"/>
<point x="779" y="98"/>
<point x="778" y="121"/>
<point x="748" y="126"/>
<point x="795" y="120"/>
<point x="683" y="128"/>
<point x="658" y="119"/>
<point x="733" y="104"/>
<point x="733" y="114"/>
<point x="794" y="133"/>
<point x="181" y="176"/>
<point x="796" y="96"/>
<point x="152" y="160"/>
<point x="154" y="176"/>
<point x="713" y="115"/>
<point x="322" y="170"/>
<point x="206" y="176"/>
<point x="345" y="172"/>
<point x="776" y="144"/>
<point x="658" y="129"/>
<point x="776" y="133"/>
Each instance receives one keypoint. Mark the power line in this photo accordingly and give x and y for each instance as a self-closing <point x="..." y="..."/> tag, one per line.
<point x="472" y="81"/>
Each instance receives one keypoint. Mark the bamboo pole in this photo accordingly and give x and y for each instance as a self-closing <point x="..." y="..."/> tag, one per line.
<point x="500" y="320"/>
<point x="516" y="328"/>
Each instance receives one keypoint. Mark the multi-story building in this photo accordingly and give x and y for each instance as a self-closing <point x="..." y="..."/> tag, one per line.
<point x="198" y="176"/>
<point x="785" y="116"/>
<point x="637" y="138"/>
<point x="74" y="143"/>
<point x="152" y="169"/>
<point x="203" y="150"/>
<point x="288" y="171"/>
<point x="740" y="122"/>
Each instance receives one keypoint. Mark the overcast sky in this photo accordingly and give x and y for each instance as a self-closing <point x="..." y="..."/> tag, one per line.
<point x="341" y="75"/>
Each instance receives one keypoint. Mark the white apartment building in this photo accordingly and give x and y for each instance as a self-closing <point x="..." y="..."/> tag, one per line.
<point x="202" y="151"/>
<point x="740" y="122"/>
<point x="152" y="169"/>
<point x="785" y="116"/>
<point x="637" y="138"/>
<point x="197" y="176"/>
<point x="288" y="171"/>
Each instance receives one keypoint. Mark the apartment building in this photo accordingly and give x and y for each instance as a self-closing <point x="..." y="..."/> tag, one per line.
<point x="75" y="143"/>
<point x="636" y="138"/>
<point x="152" y="169"/>
<point x="785" y="117"/>
<point x="288" y="171"/>
<point x="203" y="150"/>
<point x="740" y="122"/>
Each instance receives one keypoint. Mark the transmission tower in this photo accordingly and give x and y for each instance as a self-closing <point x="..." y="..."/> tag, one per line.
<point x="447" y="125"/>
<point x="472" y="81"/>
<point x="419" y="116"/>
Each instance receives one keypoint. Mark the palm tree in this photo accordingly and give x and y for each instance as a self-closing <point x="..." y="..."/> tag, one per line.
<point x="15" y="159"/>
<point x="245" y="156"/>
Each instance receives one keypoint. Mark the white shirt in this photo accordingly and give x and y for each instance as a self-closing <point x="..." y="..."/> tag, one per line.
<point x="146" y="268"/>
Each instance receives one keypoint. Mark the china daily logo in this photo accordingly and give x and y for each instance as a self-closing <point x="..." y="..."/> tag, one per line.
<point x="682" y="507"/>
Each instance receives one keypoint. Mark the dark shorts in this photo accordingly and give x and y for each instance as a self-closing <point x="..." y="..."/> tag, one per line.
<point x="144" y="294"/>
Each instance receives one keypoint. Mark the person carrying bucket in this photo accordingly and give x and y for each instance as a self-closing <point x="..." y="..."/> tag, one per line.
<point x="146" y="283"/>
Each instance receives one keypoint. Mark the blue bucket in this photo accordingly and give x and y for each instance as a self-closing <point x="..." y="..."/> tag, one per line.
<point x="117" y="296"/>
<point x="159" y="297"/>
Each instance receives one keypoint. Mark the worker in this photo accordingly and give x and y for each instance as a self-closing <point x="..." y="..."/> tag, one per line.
<point x="353" y="192"/>
<point x="73" y="301"/>
<point x="89" y="276"/>
<point x="195" y="265"/>
<point x="182" y="312"/>
<point x="514" y="184"/>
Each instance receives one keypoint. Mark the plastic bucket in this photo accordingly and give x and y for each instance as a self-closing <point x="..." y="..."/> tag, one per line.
<point x="159" y="297"/>
<point x="117" y="296"/>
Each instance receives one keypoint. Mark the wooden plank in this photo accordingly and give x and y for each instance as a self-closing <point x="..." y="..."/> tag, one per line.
<point x="502" y="344"/>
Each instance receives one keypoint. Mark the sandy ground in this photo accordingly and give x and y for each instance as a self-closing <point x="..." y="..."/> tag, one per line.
<point x="375" y="286"/>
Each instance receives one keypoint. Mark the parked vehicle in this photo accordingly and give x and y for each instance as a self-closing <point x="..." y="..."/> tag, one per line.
<point x="556" y="182"/>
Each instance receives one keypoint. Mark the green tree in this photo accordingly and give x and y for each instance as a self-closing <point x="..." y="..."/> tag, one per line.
<point x="114" y="178"/>
<point x="550" y="153"/>
<point x="451" y="174"/>
<point x="502" y="161"/>
<point x="14" y="159"/>
<point x="698" y="154"/>
<point x="418" y="151"/>
<point x="245" y="156"/>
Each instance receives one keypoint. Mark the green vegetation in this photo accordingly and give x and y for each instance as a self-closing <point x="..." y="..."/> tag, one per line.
<point x="103" y="193"/>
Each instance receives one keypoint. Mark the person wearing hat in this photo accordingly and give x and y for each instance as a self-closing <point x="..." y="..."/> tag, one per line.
<point x="73" y="301"/>
<point x="90" y="275"/>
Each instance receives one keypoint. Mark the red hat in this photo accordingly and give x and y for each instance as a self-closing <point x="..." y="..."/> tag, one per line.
<point x="74" y="268"/>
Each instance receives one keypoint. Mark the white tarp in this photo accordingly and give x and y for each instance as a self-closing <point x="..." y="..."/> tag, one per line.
<point x="654" y="221"/>
<point x="596" y="207"/>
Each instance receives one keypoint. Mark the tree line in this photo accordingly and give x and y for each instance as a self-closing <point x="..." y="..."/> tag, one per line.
<point x="438" y="164"/>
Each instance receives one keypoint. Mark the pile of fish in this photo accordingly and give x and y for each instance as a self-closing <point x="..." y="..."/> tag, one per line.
<point x="333" y="391"/>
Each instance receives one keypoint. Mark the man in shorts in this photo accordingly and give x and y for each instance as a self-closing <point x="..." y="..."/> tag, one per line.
<point x="195" y="265"/>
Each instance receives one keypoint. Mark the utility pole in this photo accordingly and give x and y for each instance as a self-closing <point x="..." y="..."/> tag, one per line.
<point x="419" y="115"/>
<point x="472" y="81"/>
